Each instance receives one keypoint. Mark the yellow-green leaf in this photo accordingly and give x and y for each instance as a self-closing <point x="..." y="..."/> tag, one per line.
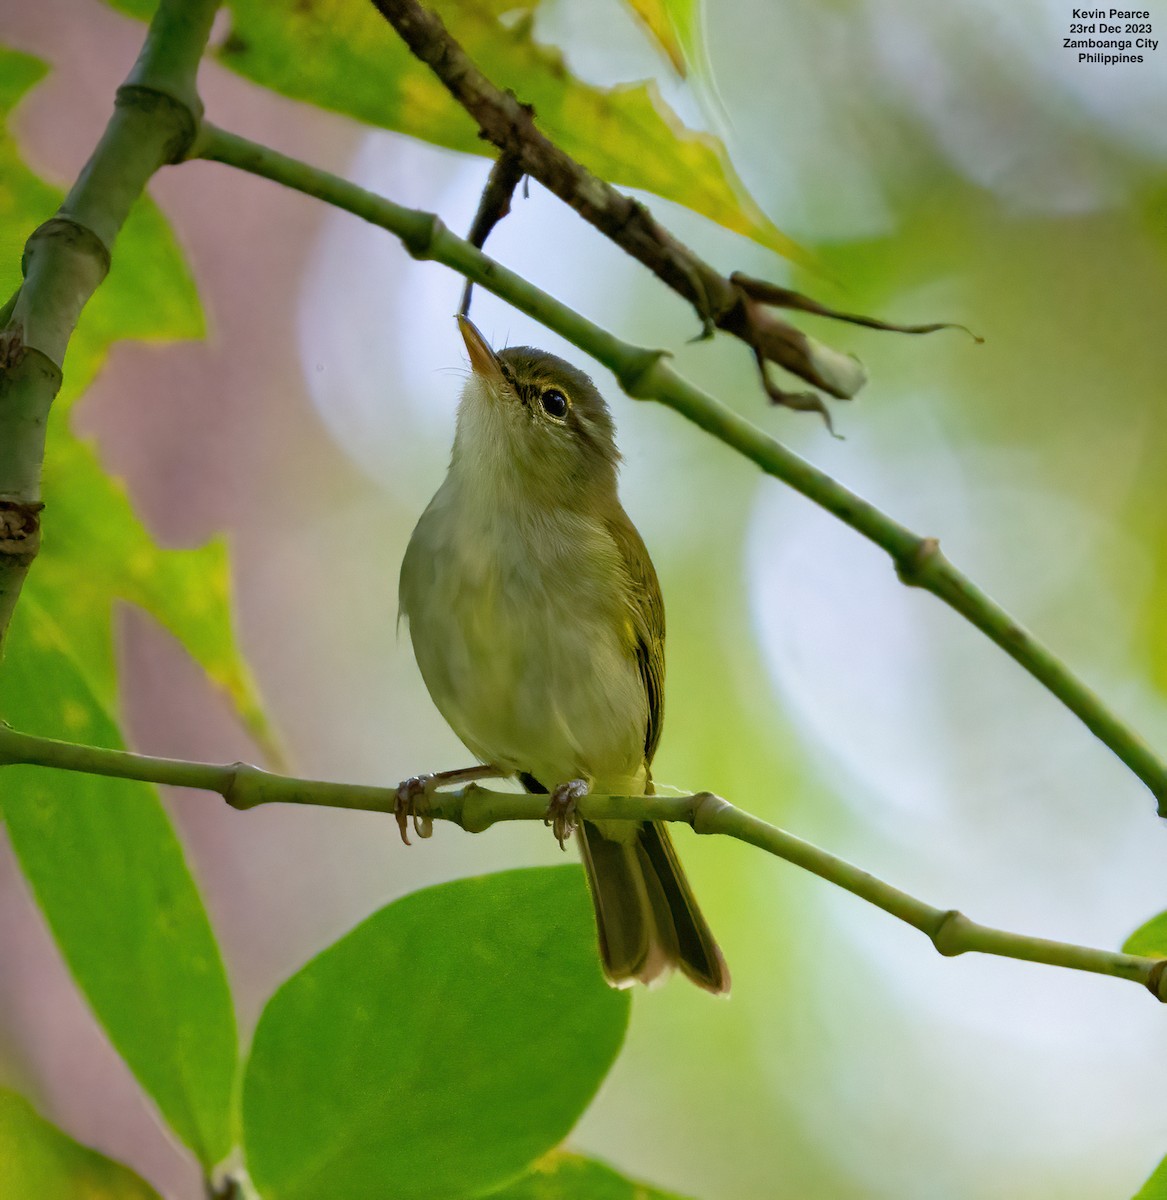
<point x="39" y="1160"/>
<point x="93" y="535"/>
<point x="342" y="55"/>
<point x="656" y="18"/>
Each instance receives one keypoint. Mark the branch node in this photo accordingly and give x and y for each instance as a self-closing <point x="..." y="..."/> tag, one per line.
<point x="12" y="348"/>
<point x="240" y="790"/>
<point x="948" y="936"/>
<point x="78" y="238"/>
<point x="64" y="261"/>
<point x="152" y="100"/>
<point x="635" y="375"/>
<point x="475" y="815"/>
<point x="706" y="808"/>
<point x="912" y="567"/>
<point x="420" y="238"/>
<point x="1157" y="981"/>
<point x="20" y="529"/>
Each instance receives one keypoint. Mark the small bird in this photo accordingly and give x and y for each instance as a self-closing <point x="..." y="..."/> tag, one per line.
<point x="537" y="622"/>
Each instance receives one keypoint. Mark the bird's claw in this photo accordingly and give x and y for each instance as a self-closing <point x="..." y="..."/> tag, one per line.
<point x="561" y="810"/>
<point x="412" y="802"/>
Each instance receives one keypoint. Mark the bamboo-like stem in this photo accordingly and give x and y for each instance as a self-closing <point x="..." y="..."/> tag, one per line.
<point x="644" y="374"/>
<point x="154" y="121"/>
<point x="476" y="808"/>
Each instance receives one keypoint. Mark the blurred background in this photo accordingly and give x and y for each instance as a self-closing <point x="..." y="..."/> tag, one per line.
<point x="947" y="162"/>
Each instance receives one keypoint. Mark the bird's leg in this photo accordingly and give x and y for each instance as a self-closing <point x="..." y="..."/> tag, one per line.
<point x="421" y="787"/>
<point x="561" y="809"/>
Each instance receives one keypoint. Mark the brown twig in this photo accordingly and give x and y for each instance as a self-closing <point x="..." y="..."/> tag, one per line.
<point x="721" y="302"/>
<point x="505" y="176"/>
<point x="780" y="297"/>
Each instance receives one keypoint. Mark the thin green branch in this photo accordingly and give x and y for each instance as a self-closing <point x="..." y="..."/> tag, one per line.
<point x="66" y="258"/>
<point x="644" y="374"/>
<point x="476" y="808"/>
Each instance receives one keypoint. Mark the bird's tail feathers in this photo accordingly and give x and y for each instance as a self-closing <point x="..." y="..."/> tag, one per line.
<point x="646" y="914"/>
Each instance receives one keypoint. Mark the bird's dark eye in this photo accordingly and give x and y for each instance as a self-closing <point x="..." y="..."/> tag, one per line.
<point x="554" y="403"/>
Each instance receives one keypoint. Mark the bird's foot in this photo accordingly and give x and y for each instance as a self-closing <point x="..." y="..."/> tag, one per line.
<point x="412" y="803"/>
<point x="561" y="809"/>
<point x="413" y="796"/>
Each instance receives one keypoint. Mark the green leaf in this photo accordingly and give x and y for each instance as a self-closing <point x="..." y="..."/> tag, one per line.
<point x="438" y="1049"/>
<point x="96" y="551"/>
<point x="562" y="1176"/>
<point x="1149" y="939"/>
<point x="38" y="1160"/>
<point x="1156" y="1187"/>
<point x="92" y="534"/>
<point x="342" y="55"/>
<point x="108" y="873"/>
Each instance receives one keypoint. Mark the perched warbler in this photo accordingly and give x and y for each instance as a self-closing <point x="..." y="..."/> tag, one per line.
<point x="537" y="622"/>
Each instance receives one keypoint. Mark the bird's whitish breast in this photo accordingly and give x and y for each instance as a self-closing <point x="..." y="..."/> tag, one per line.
<point x="522" y="644"/>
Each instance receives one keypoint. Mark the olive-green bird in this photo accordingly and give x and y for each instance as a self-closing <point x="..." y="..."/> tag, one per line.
<point x="537" y="622"/>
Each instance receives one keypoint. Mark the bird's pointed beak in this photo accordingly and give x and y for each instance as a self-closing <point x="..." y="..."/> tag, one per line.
<point x="483" y="359"/>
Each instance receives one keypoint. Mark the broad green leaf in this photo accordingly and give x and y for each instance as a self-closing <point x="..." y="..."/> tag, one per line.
<point x="107" y="870"/>
<point x="38" y="1160"/>
<point x="342" y="55"/>
<point x="95" y="550"/>
<point x="562" y="1176"/>
<point x="1149" y="939"/>
<point x="1156" y="1187"/>
<point x="438" y="1049"/>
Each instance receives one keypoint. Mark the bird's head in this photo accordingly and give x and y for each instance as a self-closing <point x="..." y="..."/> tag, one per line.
<point x="535" y="424"/>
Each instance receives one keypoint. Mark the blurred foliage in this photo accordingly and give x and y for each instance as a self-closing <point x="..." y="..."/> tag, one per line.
<point x="342" y="55"/>
<point x="469" y="1045"/>
<point x="105" y="865"/>
<point x="38" y="1160"/>
<point x="1071" y="306"/>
